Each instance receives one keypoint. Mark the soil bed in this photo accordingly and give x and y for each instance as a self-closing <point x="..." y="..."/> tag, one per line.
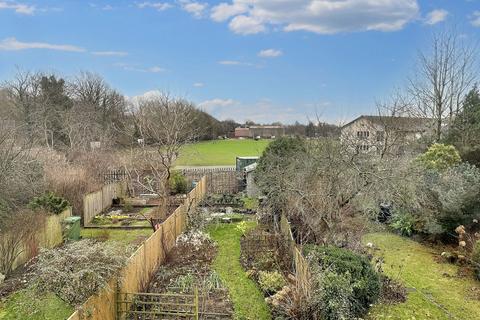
<point x="188" y="266"/>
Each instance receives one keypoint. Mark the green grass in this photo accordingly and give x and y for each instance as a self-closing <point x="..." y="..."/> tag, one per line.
<point x="122" y="236"/>
<point x="219" y="152"/>
<point x="438" y="294"/>
<point x="248" y="300"/>
<point x="27" y="304"/>
<point x="250" y="203"/>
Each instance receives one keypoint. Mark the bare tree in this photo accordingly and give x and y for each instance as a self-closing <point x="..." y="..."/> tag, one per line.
<point x="24" y="92"/>
<point x="444" y="75"/>
<point x="161" y="125"/>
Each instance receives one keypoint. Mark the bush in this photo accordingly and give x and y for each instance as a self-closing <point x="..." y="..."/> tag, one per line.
<point x="458" y="193"/>
<point x="77" y="270"/>
<point x="440" y="157"/>
<point x="404" y="223"/>
<point x="271" y="282"/>
<point x="363" y="280"/>
<point x="50" y="203"/>
<point x="178" y="183"/>
<point x="336" y="292"/>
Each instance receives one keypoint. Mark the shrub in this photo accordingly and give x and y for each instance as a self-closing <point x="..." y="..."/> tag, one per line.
<point x="404" y="223"/>
<point x="271" y="282"/>
<point x="77" y="270"/>
<point x="336" y="296"/>
<point x="50" y="203"/>
<point x="178" y="183"/>
<point x="458" y="192"/>
<point x="440" y="157"/>
<point x="363" y="280"/>
<point x="17" y="230"/>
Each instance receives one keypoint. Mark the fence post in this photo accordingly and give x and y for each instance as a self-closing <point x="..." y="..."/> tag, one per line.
<point x="196" y="302"/>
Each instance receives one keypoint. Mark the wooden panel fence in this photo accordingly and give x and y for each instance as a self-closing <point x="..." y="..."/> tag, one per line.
<point x="49" y="236"/>
<point x="300" y="264"/>
<point x="220" y="179"/>
<point x="96" y="202"/>
<point x="142" y="265"/>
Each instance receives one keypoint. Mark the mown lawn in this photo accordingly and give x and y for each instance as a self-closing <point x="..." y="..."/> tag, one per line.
<point x="248" y="300"/>
<point x="219" y="152"/>
<point x="435" y="290"/>
<point x="27" y="304"/>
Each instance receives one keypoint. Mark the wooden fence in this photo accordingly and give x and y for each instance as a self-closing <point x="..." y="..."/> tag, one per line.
<point x="219" y="180"/>
<point x="142" y="265"/>
<point x="96" y="202"/>
<point x="300" y="264"/>
<point x="49" y="236"/>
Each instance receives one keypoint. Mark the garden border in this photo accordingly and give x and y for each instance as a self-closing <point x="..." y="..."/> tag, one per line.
<point x="141" y="266"/>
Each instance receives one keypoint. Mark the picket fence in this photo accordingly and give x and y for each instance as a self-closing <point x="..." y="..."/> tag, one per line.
<point x="49" y="236"/>
<point x="142" y="265"/>
<point x="96" y="202"/>
<point x="300" y="264"/>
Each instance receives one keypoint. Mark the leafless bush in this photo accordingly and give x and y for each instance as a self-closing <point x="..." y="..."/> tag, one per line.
<point x="77" y="270"/>
<point x="18" y="234"/>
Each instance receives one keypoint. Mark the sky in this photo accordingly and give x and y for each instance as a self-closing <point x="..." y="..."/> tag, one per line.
<point x="260" y="60"/>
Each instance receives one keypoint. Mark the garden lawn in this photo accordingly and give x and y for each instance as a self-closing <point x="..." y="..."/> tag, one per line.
<point x="123" y="236"/>
<point x="436" y="292"/>
<point x="27" y="304"/>
<point x="219" y="152"/>
<point x="248" y="300"/>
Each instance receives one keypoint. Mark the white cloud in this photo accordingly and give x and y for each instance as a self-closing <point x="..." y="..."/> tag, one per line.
<point x="12" y="44"/>
<point x="235" y="63"/>
<point x="246" y="25"/>
<point x="436" y="16"/>
<point x="197" y="9"/>
<point x="215" y="103"/>
<point x="110" y="53"/>
<point x="129" y="67"/>
<point x="475" y="19"/>
<point x="18" y="7"/>
<point x="160" y="6"/>
<point x="224" y="11"/>
<point x="199" y="84"/>
<point x="270" y="53"/>
<point x="318" y="16"/>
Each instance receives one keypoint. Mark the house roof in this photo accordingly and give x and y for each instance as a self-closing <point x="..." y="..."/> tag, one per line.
<point x="397" y="123"/>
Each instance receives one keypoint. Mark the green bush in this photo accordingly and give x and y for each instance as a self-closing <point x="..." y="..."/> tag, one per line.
<point x="404" y="223"/>
<point x="271" y="282"/>
<point x="336" y="292"/>
<point x="476" y="259"/>
<point x="178" y="183"/>
<point x="363" y="280"/>
<point x="440" y="157"/>
<point x="50" y="203"/>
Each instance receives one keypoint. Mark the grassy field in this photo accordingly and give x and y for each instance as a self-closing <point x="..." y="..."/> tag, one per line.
<point x="435" y="290"/>
<point x="219" y="152"/>
<point x="247" y="298"/>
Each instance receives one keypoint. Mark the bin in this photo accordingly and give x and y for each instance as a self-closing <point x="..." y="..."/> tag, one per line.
<point x="71" y="228"/>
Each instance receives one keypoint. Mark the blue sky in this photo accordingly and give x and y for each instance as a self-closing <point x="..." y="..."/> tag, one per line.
<point x="264" y="60"/>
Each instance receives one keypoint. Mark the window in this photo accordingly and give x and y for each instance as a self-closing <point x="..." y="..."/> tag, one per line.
<point x="380" y="136"/>
<point x="363" y="134"/>
<point x="362" y="148"/>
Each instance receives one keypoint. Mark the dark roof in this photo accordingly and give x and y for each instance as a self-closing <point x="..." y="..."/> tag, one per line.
<point x="397" y="123"/>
